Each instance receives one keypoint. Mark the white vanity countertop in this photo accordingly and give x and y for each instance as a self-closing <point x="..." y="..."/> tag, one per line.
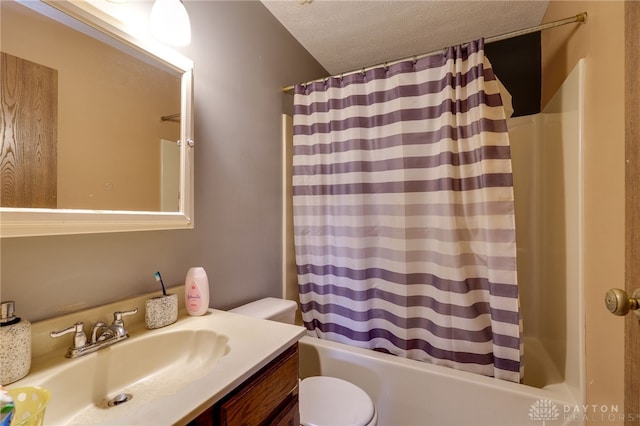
<point x="252" y="344"/>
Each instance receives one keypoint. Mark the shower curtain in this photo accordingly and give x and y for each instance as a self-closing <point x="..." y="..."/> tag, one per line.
<point x="403" y="213"/>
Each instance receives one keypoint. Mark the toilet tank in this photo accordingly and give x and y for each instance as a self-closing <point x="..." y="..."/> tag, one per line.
<point x="270" y="308"/>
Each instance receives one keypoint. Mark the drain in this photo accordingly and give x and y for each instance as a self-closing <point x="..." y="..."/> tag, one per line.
<point x="119" y="399"/>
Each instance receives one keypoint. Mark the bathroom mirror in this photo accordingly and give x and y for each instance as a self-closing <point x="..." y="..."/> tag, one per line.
<point x="92" y="122"/>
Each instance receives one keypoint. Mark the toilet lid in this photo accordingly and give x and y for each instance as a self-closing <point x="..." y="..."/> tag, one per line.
<point x="329" y="401"/>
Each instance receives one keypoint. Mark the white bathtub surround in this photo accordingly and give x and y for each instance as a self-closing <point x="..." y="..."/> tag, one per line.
<point x="413" y="393"/>
<point x="547" y="156"/>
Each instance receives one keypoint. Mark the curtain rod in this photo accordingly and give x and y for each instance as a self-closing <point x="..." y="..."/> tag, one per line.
<point x="581" y="18"/>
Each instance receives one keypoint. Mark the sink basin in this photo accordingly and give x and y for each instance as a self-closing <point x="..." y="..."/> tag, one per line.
<point x="145" y="368"/>
<point x="172" y="373"/>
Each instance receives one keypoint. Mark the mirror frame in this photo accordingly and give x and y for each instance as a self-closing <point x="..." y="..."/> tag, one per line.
<point x="24" y="222"/>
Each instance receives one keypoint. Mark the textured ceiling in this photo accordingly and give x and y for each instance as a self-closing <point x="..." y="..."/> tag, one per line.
<point x="345" y="35"/>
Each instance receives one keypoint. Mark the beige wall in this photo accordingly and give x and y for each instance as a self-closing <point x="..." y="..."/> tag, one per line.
<point x="601" y="42"/>
<point x="242" y="58"/>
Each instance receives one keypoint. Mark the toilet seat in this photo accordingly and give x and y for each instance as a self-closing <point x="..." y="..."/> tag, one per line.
<point x="329" y="401"/>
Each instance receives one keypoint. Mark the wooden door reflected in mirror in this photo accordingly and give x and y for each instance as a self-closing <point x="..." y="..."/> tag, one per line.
<point x="29" y="117"/>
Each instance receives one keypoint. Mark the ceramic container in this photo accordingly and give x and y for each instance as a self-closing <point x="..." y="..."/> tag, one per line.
<point x="161" y="311"/>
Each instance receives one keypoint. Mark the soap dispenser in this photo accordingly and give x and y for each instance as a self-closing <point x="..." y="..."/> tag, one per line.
<point x="15" y="345"/>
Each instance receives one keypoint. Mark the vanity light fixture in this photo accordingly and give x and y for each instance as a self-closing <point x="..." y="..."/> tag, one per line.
<point x="169" y="22"/>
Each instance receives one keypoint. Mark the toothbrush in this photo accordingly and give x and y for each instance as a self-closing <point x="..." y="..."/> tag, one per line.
<point x="159" y="278"/>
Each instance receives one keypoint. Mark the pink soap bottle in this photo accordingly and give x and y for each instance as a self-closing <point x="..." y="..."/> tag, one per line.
<point x="196" y="291"/>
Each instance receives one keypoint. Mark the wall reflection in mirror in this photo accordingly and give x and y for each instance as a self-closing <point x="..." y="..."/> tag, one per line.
<point x="81" y="121"/>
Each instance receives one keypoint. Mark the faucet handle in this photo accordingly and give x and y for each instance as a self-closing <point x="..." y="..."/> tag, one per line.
<point x="79" y="338"/>
<point x="117" y="316"/>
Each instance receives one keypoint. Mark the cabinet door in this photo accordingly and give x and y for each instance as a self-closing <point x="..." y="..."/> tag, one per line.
<point x="269" y="397"/>
<point x="260" y="399"/>
<point x="289" y="415"/>
<point x="205" y="418"/>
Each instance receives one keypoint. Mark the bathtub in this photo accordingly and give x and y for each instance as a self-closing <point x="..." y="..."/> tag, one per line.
<point x="414" y="393"/>
<point x="548" y="185"/>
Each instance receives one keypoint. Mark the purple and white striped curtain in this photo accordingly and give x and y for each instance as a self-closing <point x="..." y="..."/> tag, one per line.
<point x="403" y="213"/>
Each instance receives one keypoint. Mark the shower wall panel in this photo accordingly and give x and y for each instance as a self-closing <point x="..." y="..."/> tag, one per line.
<point x="548" y="183"/>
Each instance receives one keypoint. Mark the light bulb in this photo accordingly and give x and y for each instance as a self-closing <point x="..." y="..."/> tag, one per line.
<point x="169" y="22"/>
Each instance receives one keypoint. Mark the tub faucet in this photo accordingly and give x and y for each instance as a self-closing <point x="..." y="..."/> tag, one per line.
<point x="101" y="335"/>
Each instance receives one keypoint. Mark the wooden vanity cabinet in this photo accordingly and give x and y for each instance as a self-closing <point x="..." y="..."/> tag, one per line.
<point x="269" y="397"/>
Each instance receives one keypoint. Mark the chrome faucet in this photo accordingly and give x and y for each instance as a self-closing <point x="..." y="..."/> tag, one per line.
<point x="97" y="330"/>
<point x="101" y="335"/>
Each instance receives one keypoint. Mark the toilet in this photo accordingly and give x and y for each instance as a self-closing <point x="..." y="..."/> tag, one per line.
<point x="324" y="401"/>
